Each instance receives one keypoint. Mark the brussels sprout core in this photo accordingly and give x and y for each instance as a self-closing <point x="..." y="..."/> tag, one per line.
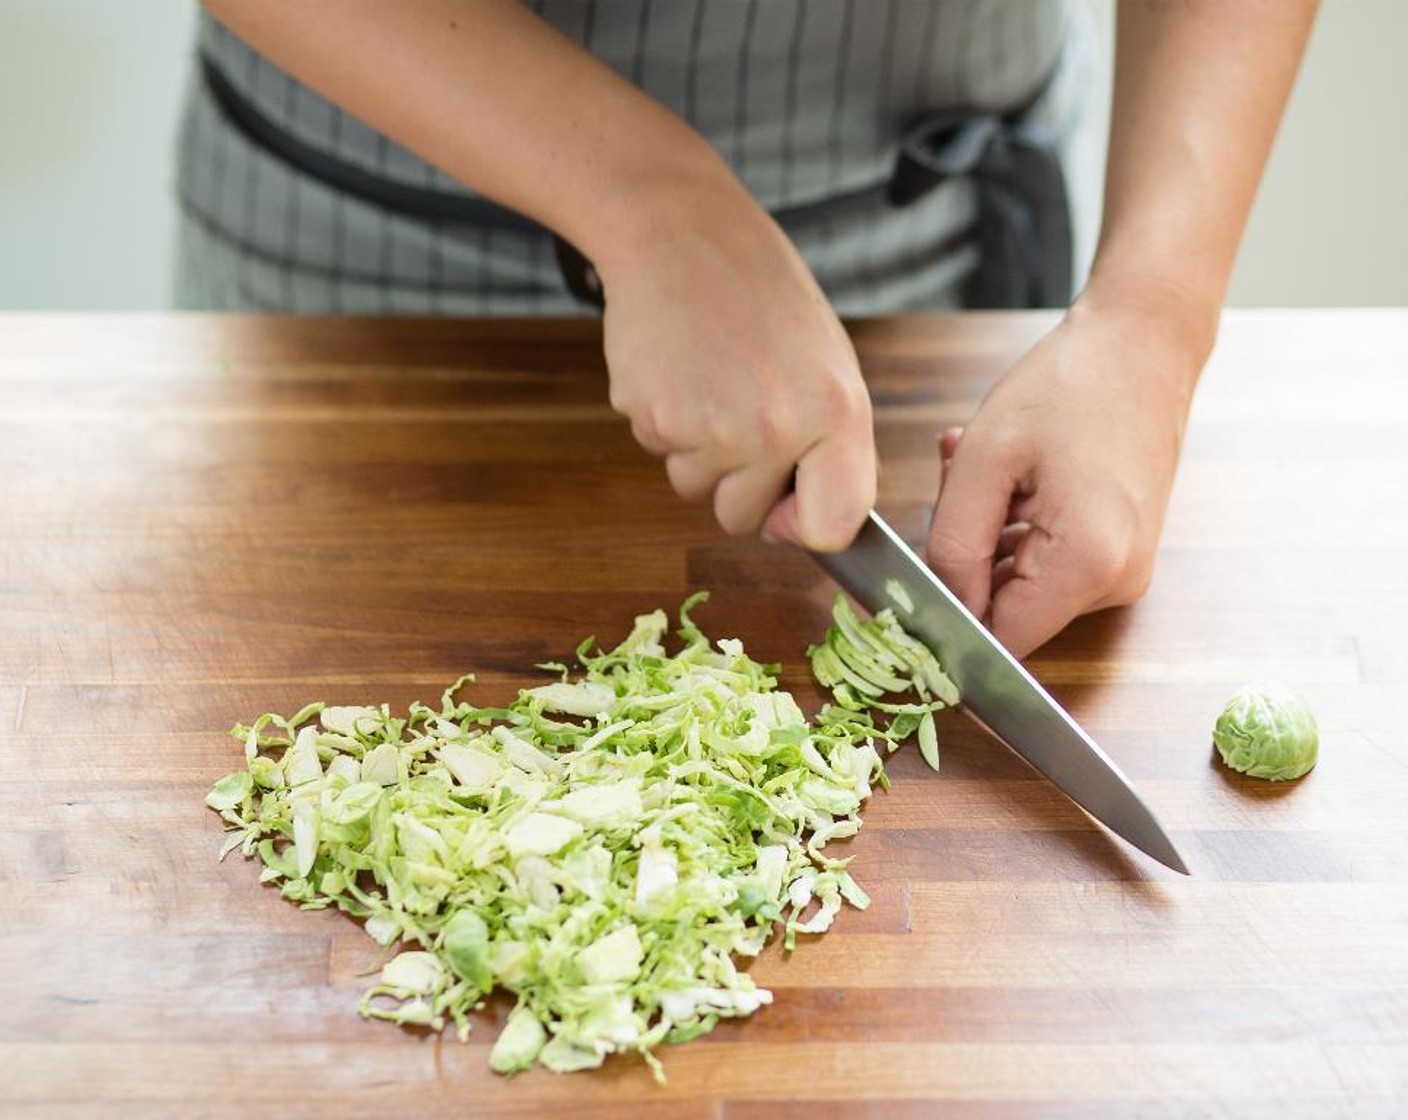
<point x="1266" y="731"/>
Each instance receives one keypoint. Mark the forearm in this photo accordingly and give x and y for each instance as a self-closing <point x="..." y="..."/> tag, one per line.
<point x="1199" y="90"/>
<point x="499" y="100"/>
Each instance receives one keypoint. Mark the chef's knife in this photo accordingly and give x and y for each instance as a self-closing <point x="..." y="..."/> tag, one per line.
<point x="880" y="570"/>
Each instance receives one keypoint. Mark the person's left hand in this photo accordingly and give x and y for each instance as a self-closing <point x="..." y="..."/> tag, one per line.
<point x="1053" y="497"/>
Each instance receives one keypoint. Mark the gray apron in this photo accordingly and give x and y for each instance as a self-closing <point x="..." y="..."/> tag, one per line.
<point x="916" y="152"/>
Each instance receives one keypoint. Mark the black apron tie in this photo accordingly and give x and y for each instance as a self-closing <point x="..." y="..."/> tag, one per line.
<point x="1024" y="221"/>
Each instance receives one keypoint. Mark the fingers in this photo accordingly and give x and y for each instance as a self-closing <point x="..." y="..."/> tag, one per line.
<point x="948" y="442"/>
<point x="1002" y="572"/>
<point x="835" y="489"/>
<point x="743" y="447"/>
<point x="693" y="474"/>
<point x="645" y="434"/>
<point x="1048" y="580"/>
<point x="987" y="542"/>
<point x="1036" y="592"/>
<point x="744" y="498"/>
<point x="1012" y="535"/>
<point x="965" y="537"/>
<point x="782" y="522"/>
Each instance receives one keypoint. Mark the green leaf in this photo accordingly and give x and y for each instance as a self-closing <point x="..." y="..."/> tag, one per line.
<point x="519" y="1043"/>
<point x="929" y="740"/>
<point x="230" y="791"/>
<point x="465" y="943"/>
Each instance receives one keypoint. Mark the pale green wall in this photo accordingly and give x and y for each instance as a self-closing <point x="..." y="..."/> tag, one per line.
<point x="89" y="91"/>
<point x="1330" y="226"/>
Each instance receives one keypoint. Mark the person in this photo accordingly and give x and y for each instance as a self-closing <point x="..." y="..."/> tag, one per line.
<point x="726" y="177"/>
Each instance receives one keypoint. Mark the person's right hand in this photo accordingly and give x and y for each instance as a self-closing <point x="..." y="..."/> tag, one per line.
<point x="722" y="349"/>
<point x="731" y="365"/>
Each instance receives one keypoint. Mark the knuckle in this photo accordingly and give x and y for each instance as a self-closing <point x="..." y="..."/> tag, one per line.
<point x="622" y="400"/>
<point x="739" y="504"/>
<point x="704" y="424"/>
<point x="1001" y="444"/>
<point x="948" y="550"/>
<point x="736" y="519"/>
<point x="1137" y="578"/>
<point x="646" y="436"/>
<point x="688" y="481"/>
<point x="1108" y="557"/>
<point x="773" y="428"/>
<point x="779" y="429"/>
<point x="674" y="427"/>
<point x="741" y="436"/>
<point x="843" y="399"/>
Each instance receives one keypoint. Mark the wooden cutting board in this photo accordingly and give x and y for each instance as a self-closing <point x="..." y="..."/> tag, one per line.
<point x="205" y="518"/>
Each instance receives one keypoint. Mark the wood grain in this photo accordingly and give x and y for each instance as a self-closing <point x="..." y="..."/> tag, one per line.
<point x="202" y="518"/>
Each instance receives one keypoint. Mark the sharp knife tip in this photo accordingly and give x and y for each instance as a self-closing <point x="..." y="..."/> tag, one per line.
<point x="1166" y="854"/>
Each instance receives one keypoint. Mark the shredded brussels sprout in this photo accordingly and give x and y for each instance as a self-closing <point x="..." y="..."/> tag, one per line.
<point x="604" y="848"/>
<point x="862" y="660"/>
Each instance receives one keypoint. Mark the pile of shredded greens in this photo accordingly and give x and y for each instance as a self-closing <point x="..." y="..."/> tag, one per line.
<point x="603" y="847"/>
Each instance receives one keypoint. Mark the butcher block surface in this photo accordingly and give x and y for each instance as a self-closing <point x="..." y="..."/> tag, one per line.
<point x="204" y="518"/>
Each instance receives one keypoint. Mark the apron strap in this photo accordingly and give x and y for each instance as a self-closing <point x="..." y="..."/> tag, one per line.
<point x="1024" y="218"/>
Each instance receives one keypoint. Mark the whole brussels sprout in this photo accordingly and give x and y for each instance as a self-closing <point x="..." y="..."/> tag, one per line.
<point x="1267" y="731"/>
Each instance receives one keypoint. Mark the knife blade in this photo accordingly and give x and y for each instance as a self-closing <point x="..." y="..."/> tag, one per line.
<point x="880" y="570"/>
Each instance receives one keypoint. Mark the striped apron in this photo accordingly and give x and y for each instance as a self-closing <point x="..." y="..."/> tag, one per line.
<point x="809" y="102"/>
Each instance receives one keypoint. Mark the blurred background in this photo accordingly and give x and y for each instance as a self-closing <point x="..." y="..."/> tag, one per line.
<point x="90" y="91"/>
